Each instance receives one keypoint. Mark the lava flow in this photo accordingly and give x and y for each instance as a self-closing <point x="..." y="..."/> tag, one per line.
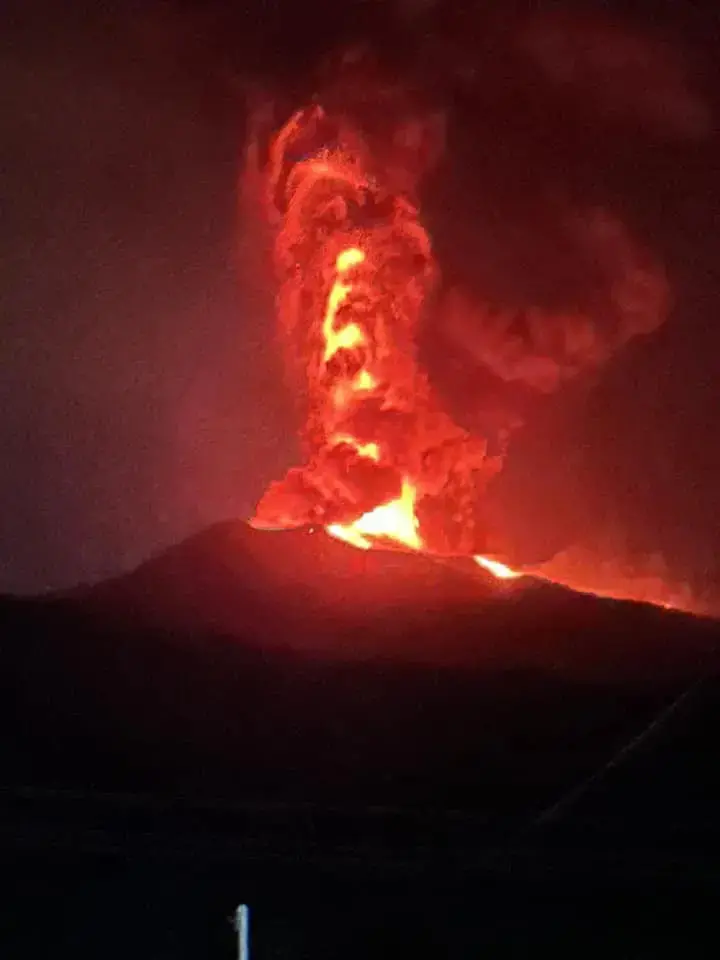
<point x="499" y="570"/>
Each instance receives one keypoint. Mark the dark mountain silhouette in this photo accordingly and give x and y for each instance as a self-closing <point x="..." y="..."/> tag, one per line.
<point x="279" y="719"/>
<point x="288" y="666"/>
<point x="311" y="594"/>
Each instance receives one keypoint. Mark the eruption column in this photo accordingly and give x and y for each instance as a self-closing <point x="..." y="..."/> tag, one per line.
<point x="356" y="273"/>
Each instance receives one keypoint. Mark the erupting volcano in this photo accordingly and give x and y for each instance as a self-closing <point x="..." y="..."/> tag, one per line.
<point x="357" y="279"/>
<point x="356" y="270"/>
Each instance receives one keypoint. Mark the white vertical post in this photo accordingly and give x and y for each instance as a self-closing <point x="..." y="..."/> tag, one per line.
<point x="242" y="926"/>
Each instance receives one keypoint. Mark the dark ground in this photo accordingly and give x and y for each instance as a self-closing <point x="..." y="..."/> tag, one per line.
<point x="181" y="740"/>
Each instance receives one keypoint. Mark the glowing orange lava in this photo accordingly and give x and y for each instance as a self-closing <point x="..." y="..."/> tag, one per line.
<point x="393" y="521"/>
<point x="348" y="335"/>
<point x="499" y="570"/>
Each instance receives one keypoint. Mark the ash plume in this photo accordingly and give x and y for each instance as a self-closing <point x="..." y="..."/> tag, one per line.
<point x="618" y="292"/>
<point x="549" y="282"/>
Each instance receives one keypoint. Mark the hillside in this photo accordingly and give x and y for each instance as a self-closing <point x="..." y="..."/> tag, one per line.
<point x="291" y="667"/>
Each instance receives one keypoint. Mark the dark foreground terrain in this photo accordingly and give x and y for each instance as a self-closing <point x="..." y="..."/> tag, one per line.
<point x="276" y="717"/>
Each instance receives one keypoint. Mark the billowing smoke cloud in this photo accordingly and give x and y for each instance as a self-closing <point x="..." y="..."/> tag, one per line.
<point x="547" y="274"/>
<point x="617" y="71"/>
<point x="551" y="296"/>
<point x="622" y="294"/>
<point x="606" y="284"/>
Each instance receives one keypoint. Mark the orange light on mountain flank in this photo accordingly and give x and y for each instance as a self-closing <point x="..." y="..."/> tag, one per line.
<point x="499" y="570"/>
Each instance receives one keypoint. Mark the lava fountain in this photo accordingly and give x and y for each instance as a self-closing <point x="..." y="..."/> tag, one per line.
<point x="385" y="463"/>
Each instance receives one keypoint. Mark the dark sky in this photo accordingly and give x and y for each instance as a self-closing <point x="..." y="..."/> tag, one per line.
<point x="141" y="392"/>
<point x="135" y="403"/>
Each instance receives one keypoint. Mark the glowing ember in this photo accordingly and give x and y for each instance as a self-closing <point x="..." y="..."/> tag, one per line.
<point x="497" y="569"/>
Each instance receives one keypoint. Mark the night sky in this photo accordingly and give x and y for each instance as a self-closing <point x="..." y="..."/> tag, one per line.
<point x="141" y="393"/>
<point x="138" y="398"/>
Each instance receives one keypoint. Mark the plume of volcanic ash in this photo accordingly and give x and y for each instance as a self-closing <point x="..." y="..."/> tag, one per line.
<point x="357" y="279"/>
<point x="622" y="294"/>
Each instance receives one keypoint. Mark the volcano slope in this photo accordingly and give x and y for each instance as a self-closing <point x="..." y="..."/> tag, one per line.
<point x="262" y="666"/>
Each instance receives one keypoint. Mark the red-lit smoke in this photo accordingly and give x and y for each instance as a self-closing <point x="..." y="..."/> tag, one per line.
<point x="357" y="278"/>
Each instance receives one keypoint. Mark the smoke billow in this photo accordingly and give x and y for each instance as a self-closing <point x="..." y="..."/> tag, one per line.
<point x="543" y="284"/>
<point x="620" y="292"/>
<point x="549" y="268"/>
<point x="623" y="74"/>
